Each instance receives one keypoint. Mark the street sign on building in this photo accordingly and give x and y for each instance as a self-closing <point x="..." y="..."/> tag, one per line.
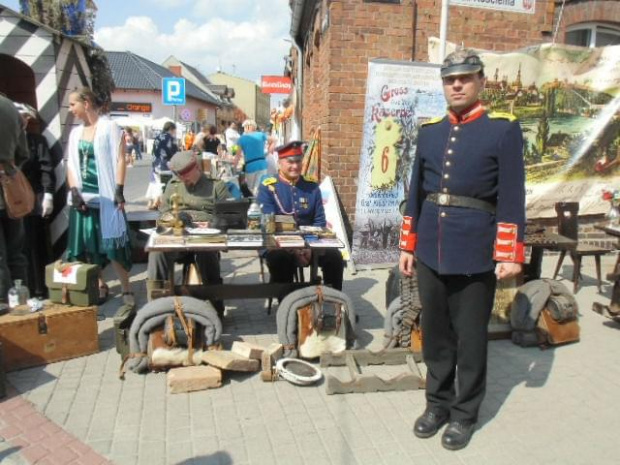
<point x="173" y="91"/>
<point x="511" y="6"/>
<point x="186" y="114"/>
<point x="275" y="85"/>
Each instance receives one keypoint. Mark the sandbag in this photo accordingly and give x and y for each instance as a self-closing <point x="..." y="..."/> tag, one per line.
<point x="153" y="315"/>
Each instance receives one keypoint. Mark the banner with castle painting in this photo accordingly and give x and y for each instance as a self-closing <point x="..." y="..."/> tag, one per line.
<point x="566" y="98"/>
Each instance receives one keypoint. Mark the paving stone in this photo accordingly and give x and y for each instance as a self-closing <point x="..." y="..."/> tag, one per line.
<point x="247" y="350"/>
<point x="227" y="360"/>
<point x="196" y="378"/>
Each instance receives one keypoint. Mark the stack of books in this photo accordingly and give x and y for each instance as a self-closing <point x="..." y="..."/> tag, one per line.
<point x="289" y="241"/>
<point x="285" y="223"/>
<point x="323" y="242"/>
<point x="245" y="240"/>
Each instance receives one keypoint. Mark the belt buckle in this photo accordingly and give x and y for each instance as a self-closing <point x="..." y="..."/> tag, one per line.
<point x="443" y="199"/>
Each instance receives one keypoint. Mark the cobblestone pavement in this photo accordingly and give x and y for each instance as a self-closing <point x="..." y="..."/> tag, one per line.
<point x="556" y="406"/>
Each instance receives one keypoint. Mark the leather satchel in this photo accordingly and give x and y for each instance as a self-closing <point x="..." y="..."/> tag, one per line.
<point x="18" y="194"/>
<point x="552" y="333"/>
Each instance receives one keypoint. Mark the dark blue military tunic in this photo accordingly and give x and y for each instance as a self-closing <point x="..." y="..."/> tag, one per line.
<point x="479" y="156"/>
<point x="301" y="199"/>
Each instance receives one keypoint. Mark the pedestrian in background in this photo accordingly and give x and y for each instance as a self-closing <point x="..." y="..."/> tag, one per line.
<point x="129" y="146"/>
<point x="252" y="146"/>
<point x="13" y="152"/>
<point x="164" y="148"/>
<point x="464" y="220"/>
<point x="98" y="229"/>
<point x="211" y="143"/>
<point x="40" y="173"/>
<point x="232" y="136"/>
<point x="189" y="139"/>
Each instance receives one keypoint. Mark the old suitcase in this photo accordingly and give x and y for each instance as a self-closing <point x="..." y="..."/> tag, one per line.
<point x="72" y="283"/>
<point x="58" y="332"/>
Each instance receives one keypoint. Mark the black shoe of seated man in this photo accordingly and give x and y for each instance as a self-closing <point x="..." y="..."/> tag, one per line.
<point x="429" y="423"/>
<point x="458" y="434"/>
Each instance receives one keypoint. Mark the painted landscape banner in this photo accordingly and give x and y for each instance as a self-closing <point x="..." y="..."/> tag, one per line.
<point x="566" y="98"/>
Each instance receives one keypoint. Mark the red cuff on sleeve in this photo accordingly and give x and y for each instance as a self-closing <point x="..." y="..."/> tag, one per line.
<point x="408" y="239"/>
<point x="507" y="246"/>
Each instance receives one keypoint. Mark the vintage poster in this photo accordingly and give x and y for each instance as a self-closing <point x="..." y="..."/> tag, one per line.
<point x="566" y="98"/>
<point x="399" y="97"/>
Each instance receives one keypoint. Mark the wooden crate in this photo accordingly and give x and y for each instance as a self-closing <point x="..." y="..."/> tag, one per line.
<point x="59" y="332"/>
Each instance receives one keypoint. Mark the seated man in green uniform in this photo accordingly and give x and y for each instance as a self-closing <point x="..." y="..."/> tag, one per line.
<point x="197" y="196"/>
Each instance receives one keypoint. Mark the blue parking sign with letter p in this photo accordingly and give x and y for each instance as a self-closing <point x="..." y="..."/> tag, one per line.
<point x="173" y="91"/>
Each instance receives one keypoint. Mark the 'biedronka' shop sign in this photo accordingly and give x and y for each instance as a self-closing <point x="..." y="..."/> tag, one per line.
<point x="512" y="6"/>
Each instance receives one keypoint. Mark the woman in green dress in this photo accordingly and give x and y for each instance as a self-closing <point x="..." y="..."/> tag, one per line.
<point x="98" y="230"/>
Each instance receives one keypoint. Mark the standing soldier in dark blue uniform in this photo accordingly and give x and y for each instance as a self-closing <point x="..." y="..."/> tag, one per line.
<point x="463" y="228"/>
<point x="290" y="194"/>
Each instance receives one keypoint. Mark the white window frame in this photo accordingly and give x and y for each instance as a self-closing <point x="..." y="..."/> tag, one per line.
<point x="593" y="27"/>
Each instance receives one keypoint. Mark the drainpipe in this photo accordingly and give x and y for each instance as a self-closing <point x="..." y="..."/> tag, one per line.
<point x="297" y="12"/>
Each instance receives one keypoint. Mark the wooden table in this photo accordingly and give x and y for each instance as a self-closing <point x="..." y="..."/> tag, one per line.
<point x="224" y="291"/>
<point x="613" y="309"/>
<point x="539" y="242"/>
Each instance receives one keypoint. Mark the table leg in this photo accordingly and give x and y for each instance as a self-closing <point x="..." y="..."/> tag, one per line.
<point x="535" y="266"/>
<point x="314" y="268"/>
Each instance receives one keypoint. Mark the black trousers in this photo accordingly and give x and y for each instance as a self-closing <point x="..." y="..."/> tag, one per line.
<point x="38" y="252"/>
<point x="455" y="317"/>
<point x="208" y="264"/>
<point x="282" y="266"/>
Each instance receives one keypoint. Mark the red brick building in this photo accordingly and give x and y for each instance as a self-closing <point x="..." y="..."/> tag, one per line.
<point x="337" y="38"/>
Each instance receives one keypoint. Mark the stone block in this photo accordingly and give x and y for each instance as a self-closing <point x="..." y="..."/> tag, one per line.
<point x="247" y="350"/>
<point x="195" y="378"/>
<point x="270" y="355"/>
<point x="227" y="360"/>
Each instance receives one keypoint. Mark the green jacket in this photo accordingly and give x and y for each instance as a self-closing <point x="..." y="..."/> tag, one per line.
<point x="198" y="200"/>
<point x="13" y="143"/>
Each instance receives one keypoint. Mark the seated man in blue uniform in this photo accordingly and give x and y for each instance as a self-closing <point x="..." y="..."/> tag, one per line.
<point x="290" y="194"/>
<point x="462" y="229"/>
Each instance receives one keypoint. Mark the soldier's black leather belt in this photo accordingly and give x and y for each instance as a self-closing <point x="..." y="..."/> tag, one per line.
<point x="449" y="200"/>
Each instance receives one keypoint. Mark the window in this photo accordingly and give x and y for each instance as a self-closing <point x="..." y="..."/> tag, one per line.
<point x="593" y="35"/>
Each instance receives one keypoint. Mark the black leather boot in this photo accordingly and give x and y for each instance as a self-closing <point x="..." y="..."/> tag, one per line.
<point x="458" y="434"/>
<point x="429" y="423"/>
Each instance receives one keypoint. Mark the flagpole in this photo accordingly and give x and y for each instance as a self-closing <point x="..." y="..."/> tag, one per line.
<point x="443" y="29"/>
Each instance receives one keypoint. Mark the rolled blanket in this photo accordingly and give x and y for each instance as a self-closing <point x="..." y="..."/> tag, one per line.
<point x="286" y="318"/>
<point x="153" y="315"/>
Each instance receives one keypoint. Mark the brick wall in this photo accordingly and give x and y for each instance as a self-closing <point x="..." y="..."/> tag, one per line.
<point x="583" y="11"/>
<point x="336" y="63"/>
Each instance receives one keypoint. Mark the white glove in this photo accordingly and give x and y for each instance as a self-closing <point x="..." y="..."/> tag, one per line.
<point x="47" y="204"/>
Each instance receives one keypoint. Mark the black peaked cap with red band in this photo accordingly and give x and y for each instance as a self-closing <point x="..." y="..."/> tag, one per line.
<point x="292" y="149"/>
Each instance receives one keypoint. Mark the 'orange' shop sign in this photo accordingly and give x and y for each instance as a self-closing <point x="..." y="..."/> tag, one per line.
<point x="132" y="107"/>
<point x="275" y="85"/>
